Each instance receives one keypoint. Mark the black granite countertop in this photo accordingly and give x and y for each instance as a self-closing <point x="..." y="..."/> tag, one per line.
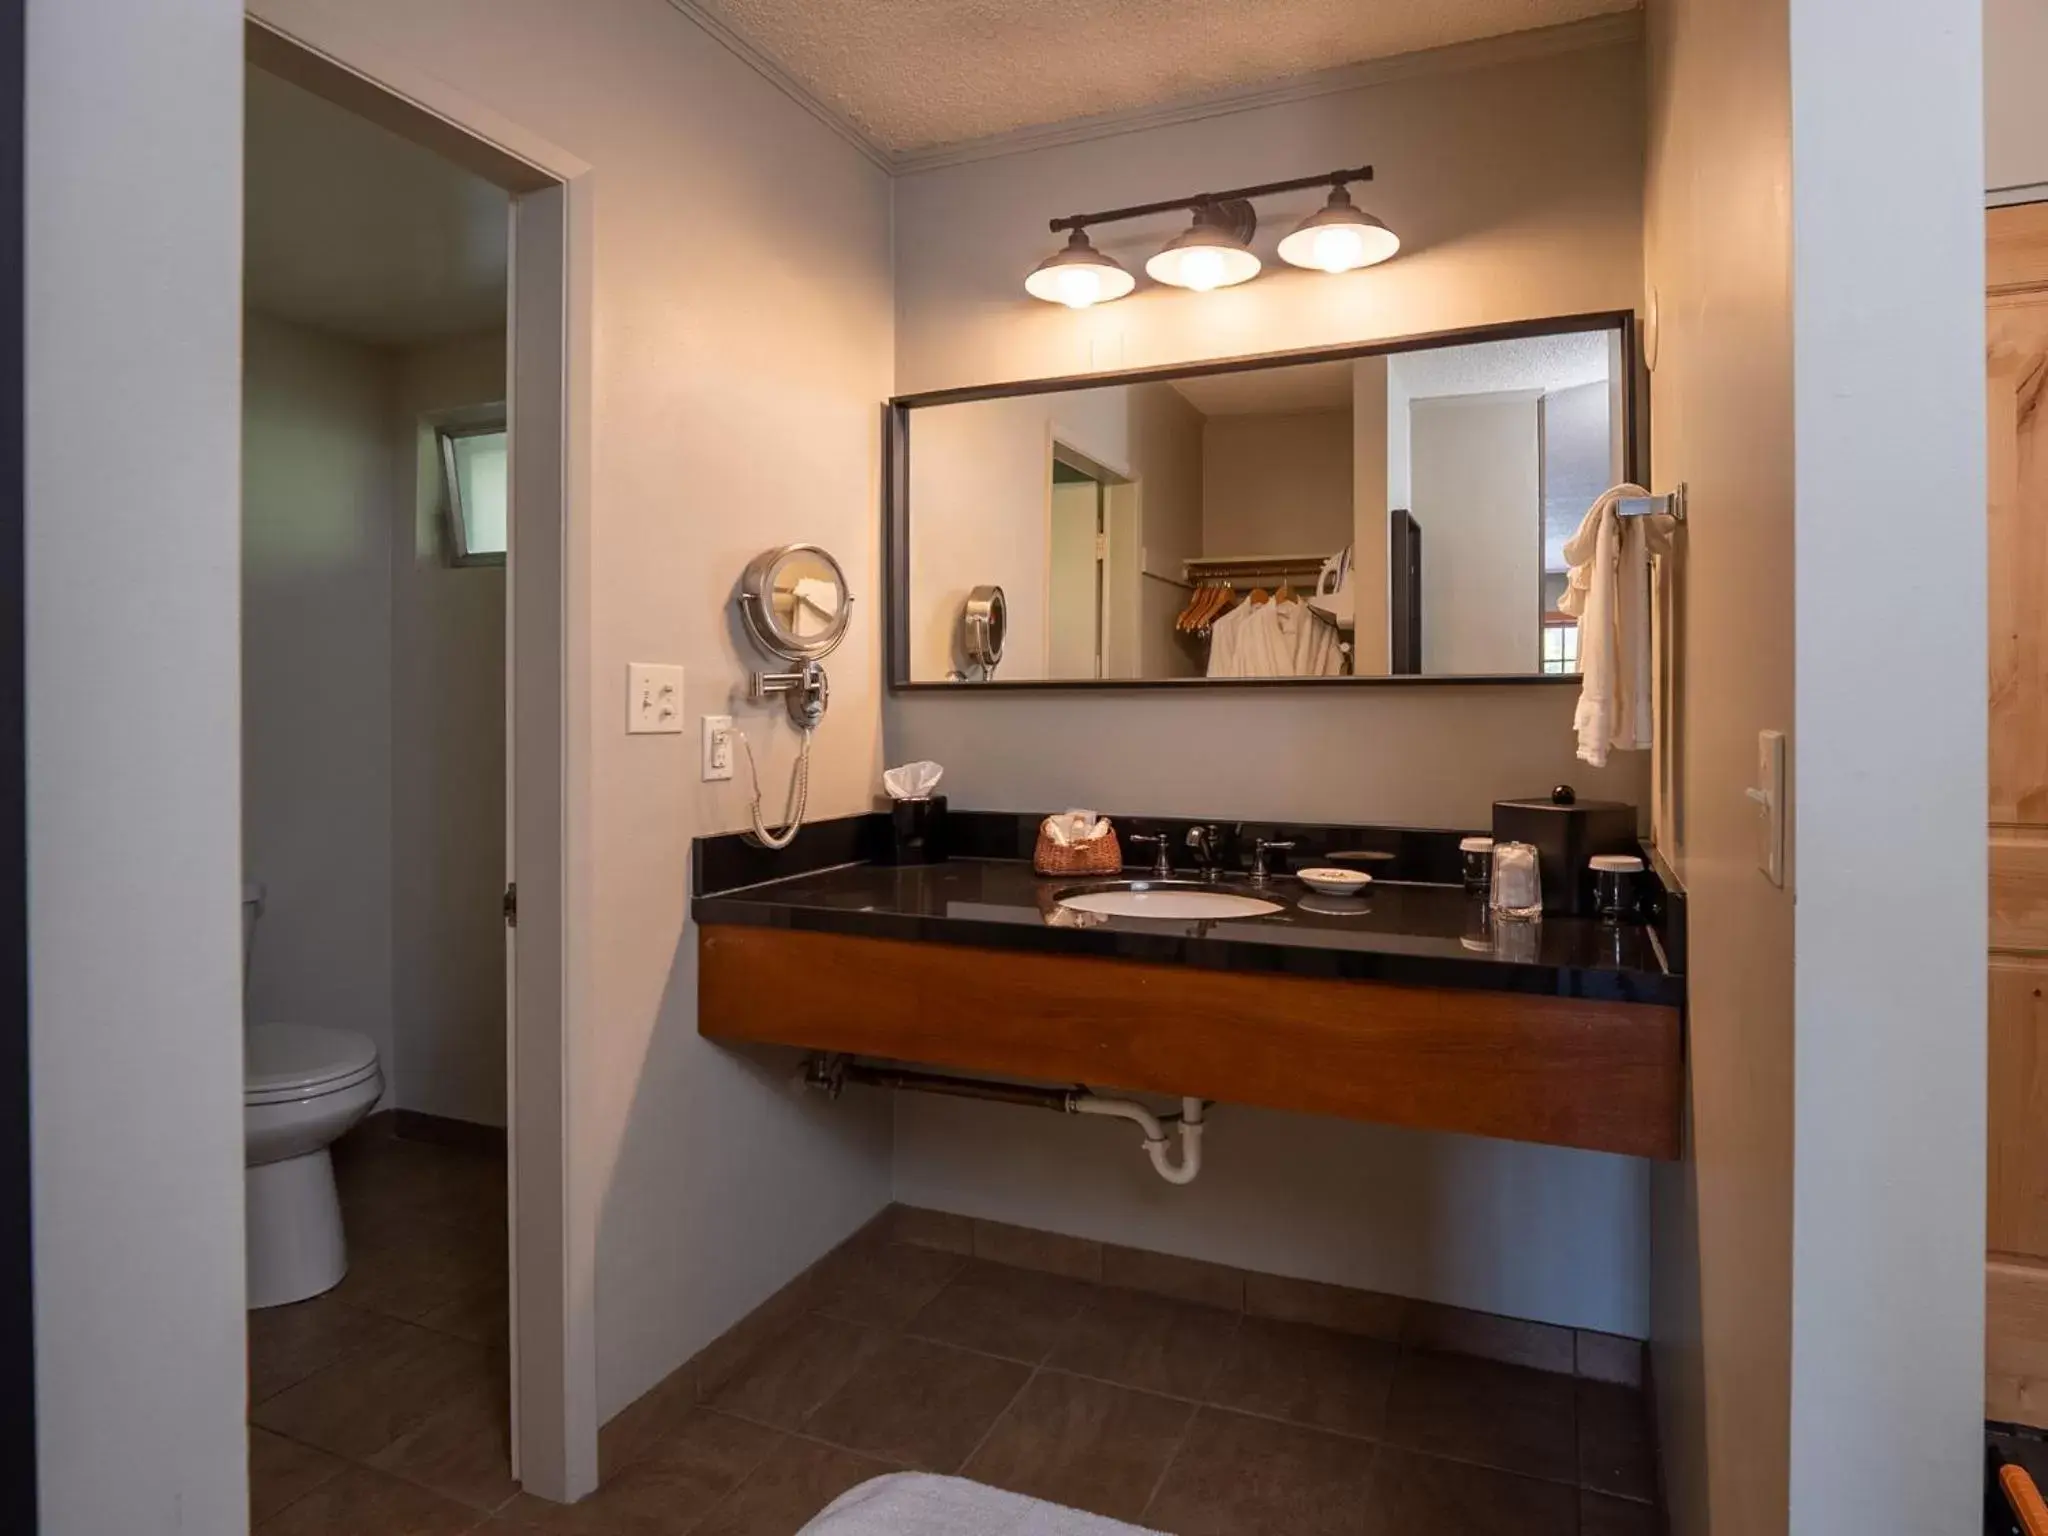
<point x="1415" y="934"/>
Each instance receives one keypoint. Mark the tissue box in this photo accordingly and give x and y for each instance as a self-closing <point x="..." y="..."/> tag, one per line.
<point x="916" y="833"/>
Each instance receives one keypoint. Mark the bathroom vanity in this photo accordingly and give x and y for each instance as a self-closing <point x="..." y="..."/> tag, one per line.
<point x="1406" y="1006"/>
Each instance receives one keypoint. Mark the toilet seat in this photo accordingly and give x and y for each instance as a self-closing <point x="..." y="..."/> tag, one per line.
<point x="285" y="1063"/>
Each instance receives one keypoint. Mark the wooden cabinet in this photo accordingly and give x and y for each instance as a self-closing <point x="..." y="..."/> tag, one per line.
<point x="2016" y="373"/>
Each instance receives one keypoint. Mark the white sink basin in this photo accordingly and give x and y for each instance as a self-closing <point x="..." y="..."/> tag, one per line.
<point x="1170" y="905"/>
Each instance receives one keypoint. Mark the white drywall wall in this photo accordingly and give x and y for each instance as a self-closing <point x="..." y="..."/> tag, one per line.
<point x="319" y="506"/>
<point x="1517" y="192"/>
<point x="448" y="758"/>
<point x="736" y="397"/>
<point x="1888" y="1229"/>
<point x="134" y="123"/>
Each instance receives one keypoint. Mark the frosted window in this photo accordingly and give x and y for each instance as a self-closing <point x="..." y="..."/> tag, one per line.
<point x="475" y="464"/>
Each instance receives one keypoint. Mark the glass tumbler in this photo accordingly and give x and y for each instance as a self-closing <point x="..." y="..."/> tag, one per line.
<point x="1476" y="855"/>
<point x="1517" y="880"/>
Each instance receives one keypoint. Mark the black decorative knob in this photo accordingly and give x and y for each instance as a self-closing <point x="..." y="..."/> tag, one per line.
<point x="1564" y="794"/>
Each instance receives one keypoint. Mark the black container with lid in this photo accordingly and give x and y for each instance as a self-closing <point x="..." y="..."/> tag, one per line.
<point x="1566" y="832"/>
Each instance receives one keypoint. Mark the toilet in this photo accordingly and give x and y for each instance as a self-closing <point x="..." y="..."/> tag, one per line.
<point x="303" y="1087"/>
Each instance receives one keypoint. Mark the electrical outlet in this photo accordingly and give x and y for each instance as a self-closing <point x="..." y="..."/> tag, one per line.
<point x="654" y="699"/>
<point x="719" y="744"/>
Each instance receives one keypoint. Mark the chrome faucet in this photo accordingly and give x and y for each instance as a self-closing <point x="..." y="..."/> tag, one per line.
<point x="1162" y="863"/>
<point x="1205" y="842"/>
<point x="1261" y="846"/>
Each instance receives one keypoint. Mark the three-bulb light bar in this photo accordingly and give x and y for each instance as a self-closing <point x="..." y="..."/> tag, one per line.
<point x="1215" y="250"/>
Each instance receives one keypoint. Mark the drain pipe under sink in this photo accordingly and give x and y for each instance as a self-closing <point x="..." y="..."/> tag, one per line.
<point x="1156" y="1145"/>
<point x="833" y="1072"/>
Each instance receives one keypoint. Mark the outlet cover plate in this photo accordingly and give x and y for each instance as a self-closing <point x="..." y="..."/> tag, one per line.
<point x="719" y="743"/>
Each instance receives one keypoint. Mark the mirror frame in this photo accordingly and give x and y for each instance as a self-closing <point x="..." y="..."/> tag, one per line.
<point x="896" y="492"/>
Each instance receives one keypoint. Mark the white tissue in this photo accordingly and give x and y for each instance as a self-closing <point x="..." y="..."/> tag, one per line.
<point x="913" y="781"/>
<point x="1075" y="827"/>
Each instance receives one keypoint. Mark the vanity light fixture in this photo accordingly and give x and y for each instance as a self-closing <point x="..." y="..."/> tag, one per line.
<point x="1215" y="251"/>
<point x="1078" y="275"/>
<point x="1339" y="237"/>
<point x="1210" y="253"/>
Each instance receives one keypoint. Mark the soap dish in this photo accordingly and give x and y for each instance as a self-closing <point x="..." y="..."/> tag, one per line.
<point x="1334" y="882"/>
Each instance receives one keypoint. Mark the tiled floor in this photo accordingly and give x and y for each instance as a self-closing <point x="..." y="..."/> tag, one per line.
<point x="380" y="1411"/>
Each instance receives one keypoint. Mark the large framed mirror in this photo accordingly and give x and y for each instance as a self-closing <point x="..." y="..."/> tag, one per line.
<point x="1385" y="513"/>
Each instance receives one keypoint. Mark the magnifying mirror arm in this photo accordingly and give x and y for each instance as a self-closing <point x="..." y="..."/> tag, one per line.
<point x="806" y="691"/>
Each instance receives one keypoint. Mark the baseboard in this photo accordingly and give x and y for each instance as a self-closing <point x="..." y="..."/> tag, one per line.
<point x="443" y="1131"/>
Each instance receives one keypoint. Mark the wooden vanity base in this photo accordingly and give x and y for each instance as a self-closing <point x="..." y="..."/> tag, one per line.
<point x="1603" y="1076"/>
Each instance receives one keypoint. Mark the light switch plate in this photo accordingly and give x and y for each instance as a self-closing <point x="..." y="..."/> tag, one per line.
<point x="718" y="745"/>
<point x="654" y="699"/>
<point x="1769" y="796"/>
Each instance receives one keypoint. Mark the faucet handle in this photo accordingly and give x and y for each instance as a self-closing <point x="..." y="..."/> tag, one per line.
<point x="1261" y="846"/>
<point x="1162" y="864"/>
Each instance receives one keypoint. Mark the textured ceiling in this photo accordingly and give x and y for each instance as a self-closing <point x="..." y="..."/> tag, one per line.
<point x="353" y="230"/>
<point x="1527" y="362"/>
<point x="915" y="74"/>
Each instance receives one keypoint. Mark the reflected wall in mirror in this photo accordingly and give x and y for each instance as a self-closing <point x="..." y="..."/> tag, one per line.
<point x="1365" y="513"/>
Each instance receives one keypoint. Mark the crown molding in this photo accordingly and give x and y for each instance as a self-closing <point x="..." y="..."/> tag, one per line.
<point x="1538" y="42"/>
<point x="787" y="83"/>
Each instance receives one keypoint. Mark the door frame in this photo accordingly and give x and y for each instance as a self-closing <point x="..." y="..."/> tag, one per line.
<point x="552" y="1242"/>
<point x="17" y="1278"/>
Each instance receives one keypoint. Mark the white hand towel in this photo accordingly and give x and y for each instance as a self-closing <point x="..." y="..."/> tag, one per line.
<point x="1608" y="592"/>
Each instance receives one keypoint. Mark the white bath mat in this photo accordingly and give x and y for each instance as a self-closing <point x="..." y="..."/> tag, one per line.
<point x="918" y="1504"/>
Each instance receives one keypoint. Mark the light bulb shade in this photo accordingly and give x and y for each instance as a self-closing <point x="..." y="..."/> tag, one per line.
<point x="1339" y="238"/>
<point x="1078" y="275"/>
<point x="1205" y="256"/>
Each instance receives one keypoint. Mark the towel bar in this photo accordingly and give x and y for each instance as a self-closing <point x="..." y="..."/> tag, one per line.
<point x="1671" y="505"/>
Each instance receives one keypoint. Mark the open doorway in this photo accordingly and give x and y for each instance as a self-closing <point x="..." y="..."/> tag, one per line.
<point x="1092" y="568"/>
<point x="410" y="358"/>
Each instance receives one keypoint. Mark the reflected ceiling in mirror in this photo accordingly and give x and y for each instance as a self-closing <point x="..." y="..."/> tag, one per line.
<point x="1391" y="513"/>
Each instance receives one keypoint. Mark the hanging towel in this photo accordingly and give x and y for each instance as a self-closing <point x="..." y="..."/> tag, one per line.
<point x="1608" y="592"/>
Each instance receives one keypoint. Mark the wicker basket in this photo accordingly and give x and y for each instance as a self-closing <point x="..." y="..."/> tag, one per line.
<point x="1103" y="856"/>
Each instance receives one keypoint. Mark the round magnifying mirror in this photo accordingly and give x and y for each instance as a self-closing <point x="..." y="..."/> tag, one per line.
<point x="984" y="622"/>
<point x="795" y="602"/>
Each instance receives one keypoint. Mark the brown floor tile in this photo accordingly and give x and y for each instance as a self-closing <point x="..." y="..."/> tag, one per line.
<point x="288" y="1344"/>
<point x="1082" y="1443"/>
<point x="645" y="1422"/>
<point x="797" y="1481"/>
<point x="667" y="1493"/>
<point x="483" y="1315"/>
<point x="920" y="1404"/>
<point x="358" y="1406"/>
<point x="463" y="1450"/>
<point x="1078" y="1258"/>
<point x="1504" y="1416"/>
<point x="932" y="1229"/>
<point x="879" y="1283"/>
<point x="1615" y="1454"/>
<point x="1423" y="1496"/>
<point x="786" y="1378"/>
<point x="1017" y="1313"/>
<point x="1239" y="1476"/>
<point x="1312" y="1376"/>
<point x="360" y="1502"/>
<point x="1601" y="1515"/>
<point x="1152" y="1343"/>
<point x="283" y="1471"/>
<point x="1510" y="1340"/>
<point x="1606" y="1357"/>
<point x="1337" y="1307"/>
<point x="410" y="1277"/>
<point x="1166" y="1274"/>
